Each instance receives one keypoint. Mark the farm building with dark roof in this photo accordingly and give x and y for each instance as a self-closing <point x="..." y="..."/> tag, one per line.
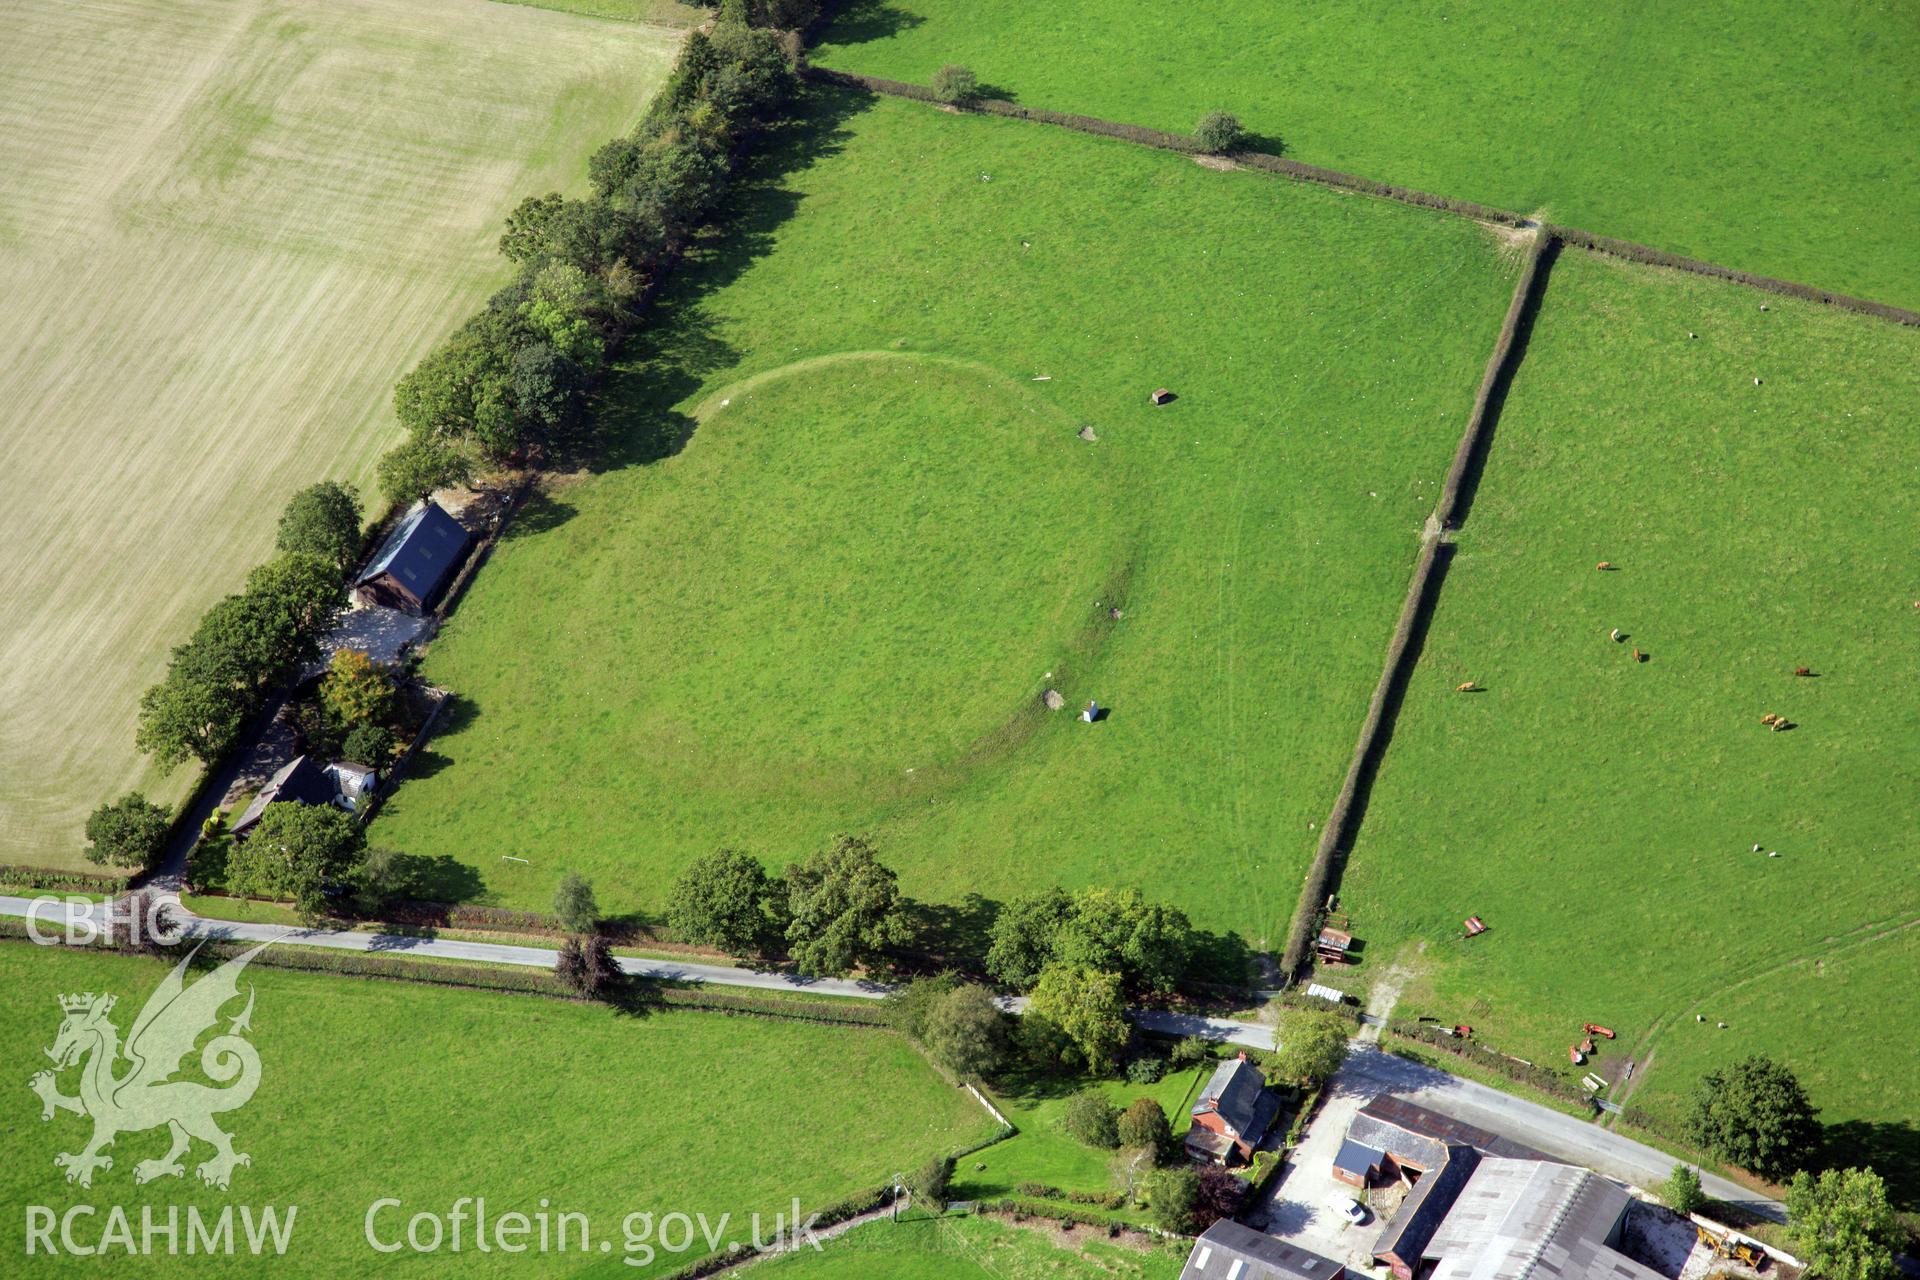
<point x="1229" y="1251"/>
<point x="299" y="781"/>
<point x="416" y="562"/>
<point x="1391" y="1138"/>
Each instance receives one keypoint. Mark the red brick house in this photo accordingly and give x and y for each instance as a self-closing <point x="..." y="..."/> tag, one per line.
<point x="1232" y="1114"/>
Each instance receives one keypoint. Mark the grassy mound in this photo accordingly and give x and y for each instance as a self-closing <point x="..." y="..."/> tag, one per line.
<point x="838" y="612"/>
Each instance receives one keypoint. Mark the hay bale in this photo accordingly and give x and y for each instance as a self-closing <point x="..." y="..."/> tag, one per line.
<point x="1053" y="700"/>
<point x="1086" y="433"/>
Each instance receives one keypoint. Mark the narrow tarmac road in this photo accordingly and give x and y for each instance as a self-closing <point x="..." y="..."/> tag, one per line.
<point x="1367" y="1071"/>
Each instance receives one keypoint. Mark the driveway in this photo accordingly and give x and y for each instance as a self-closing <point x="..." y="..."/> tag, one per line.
<point x="1296" y="1202"/>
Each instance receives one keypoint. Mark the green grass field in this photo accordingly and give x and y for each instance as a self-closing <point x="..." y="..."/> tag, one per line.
<point x="837" y="607"/>
<point x="973" y="1249"/>
<point x="1044" y="1152"/>
<point x="227" y="228"/>
<point x="375" y="1089"/>
<point x="1765" y="135"/>
<point x="1839" y="1007"/>
<point x="1600" y="813"/>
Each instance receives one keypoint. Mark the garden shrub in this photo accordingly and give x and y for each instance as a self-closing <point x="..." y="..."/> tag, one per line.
<point x="1681" y="1190"/>
<point x="1089" y="1118"/>
<point x="369" y="744"/>
<point x="1189" y="1051"/>
<point x="1143" y="1125"/>
<point x="1146" y="1069"/>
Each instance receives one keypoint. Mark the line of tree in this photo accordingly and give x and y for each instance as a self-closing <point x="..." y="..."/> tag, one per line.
<point x="838" y="911"/>
<point x="506" y="384"/>
<point x="511" y="383"/>
<point x="247" y="644"/>
<point x="1148" y="944"/>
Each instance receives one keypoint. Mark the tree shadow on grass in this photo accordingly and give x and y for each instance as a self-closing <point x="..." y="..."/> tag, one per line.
<point x="952" y="935"/>
<point x="1270" y="143"/>
<point x="455" y="718"/>
<point x="1221" y="959"/>
<point x="859" y="21"/>
<point x="678" y="346"/>
<point x="436" y="878"/>
<point x="1030" y="1086"/>
<point x="1891" y="1148"/>
<point x="636" y="998"/>
<point x="541" y="512"/>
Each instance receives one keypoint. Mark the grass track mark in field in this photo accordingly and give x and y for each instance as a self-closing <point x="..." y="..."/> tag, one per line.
<point x="1599" y="813"/>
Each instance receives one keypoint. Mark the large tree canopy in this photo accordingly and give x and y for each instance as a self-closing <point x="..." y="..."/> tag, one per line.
<point x="297" y="851"/>
<point x="1844" y="1225"/>
<point x="1075" y="1018"/>
<point x="417" y="467"/>
<point x="1148" y="944"/>
<point x="1312" y="1043"/>
<point x="844" y="909"/>
<point x="128" y="832"/>
<point x="726" y="900"/>
<point x="1754" y="1114"/>
<point x="322" y="520"/>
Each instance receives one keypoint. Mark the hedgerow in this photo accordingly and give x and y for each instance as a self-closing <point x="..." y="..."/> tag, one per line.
<point x="1336" y="833"/>
<point x="511" y="382"/>
<point x="51" y="881"/>
<point x="1270" y="163"/>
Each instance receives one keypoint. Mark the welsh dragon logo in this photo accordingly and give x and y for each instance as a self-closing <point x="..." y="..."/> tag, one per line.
<point x="144" y="1095"/>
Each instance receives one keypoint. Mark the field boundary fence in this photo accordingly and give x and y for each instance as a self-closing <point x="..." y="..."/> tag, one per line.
<point x="1403" y="651"/>
<point x="1268" y="162"/>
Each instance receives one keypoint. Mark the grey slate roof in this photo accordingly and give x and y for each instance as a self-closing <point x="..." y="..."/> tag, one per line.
<point x="300" y="781"/>
<point x="353" y="783"/>
<point x="1356" y="1157"/>
<point x="1261" y="1257"/>
<point x="1414" y="1134"/>
<point x="421" y="552"/>
<point x="1241" y="1097"/>
<point x="1402" y="1144"/>
<point x="1408" y="1232"/>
